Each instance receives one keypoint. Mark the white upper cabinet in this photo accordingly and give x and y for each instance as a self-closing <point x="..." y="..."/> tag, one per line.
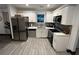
<point x="67" y="15"/>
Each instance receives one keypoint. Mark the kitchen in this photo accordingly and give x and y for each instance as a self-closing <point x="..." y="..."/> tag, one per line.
<point x="53" y="22"/>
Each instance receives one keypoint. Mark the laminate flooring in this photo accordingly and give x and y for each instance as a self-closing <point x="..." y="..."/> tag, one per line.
<point x="33" y="46"/>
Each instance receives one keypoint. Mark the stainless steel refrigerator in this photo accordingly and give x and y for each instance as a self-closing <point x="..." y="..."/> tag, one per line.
<point x="20" y="27"/>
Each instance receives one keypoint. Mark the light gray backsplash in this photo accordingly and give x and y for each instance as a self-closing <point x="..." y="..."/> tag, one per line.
<point x="32" y="24"/>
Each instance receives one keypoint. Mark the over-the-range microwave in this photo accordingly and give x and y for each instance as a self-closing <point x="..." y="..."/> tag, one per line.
<point x="57" y="19"/>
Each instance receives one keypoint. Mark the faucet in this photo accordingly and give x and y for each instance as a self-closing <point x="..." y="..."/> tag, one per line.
<point x="31" y="25"/>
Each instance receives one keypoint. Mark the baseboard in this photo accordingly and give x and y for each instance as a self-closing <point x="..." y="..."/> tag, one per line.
<point x="19" y="40"/>
<point x="71" y="52"/>
<point x="6" y="35"/>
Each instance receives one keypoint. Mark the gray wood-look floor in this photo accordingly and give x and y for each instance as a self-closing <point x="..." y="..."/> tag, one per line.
<point x="33" y="46"/>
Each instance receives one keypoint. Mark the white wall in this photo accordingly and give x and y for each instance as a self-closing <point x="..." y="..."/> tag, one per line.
<point x="33" y="18"/>
<point x="75" y="30"/>
<point x="3" y="30"/>
<point x="12" y="10"/>
<point x="30" y="14"/>
<point x="49" y="16"/>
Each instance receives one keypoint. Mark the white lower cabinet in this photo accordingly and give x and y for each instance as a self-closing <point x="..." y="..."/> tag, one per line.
<point x="38" y="33"/>
<point x="44" y="33"/>
<point x="41" y="32"/>
<point x="60" y="41"/>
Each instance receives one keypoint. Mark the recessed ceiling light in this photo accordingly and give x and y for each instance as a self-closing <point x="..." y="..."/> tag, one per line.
<point x="27" y="4"/>
<point x="48" y="5"/>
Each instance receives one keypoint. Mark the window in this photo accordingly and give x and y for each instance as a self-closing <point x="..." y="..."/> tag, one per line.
<point x="40" y="17"/>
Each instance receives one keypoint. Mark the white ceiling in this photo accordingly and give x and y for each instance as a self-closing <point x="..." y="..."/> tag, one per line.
<point x="36" y="6"/>
<point x="3" y="6"/>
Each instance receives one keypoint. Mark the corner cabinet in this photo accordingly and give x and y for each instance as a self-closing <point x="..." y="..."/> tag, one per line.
<point x="67" y="15"/>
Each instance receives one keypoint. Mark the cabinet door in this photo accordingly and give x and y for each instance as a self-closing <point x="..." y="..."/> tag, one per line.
<point x="44" y="33"/>
<point x="67" y="15"/>
<point x="38" y="33"/>
<point x="60" y="43"/>
<point x="64" y="13"/>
